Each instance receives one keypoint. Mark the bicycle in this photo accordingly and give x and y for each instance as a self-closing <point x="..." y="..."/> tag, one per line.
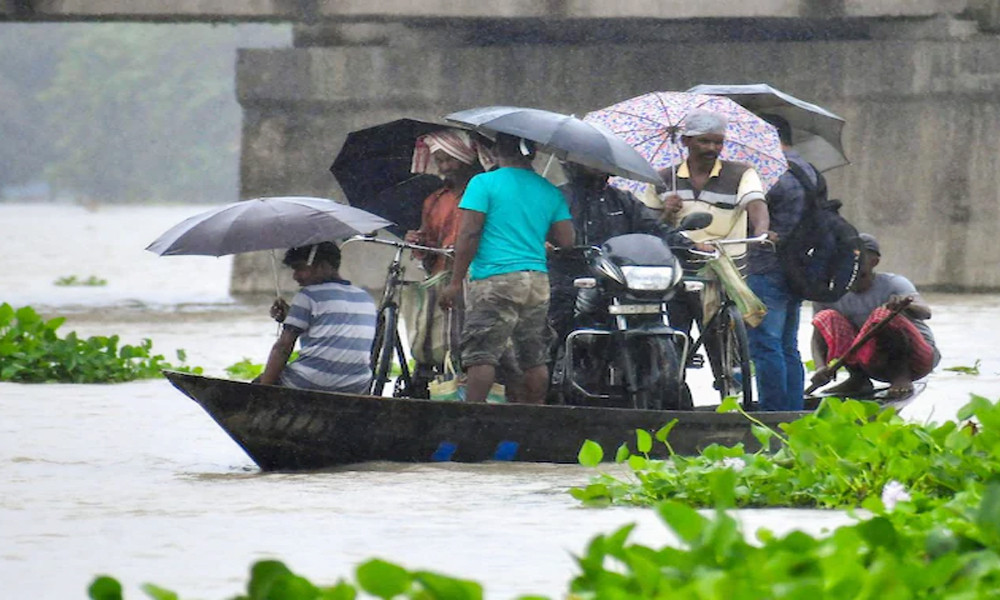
<point x="387" y="347"/>
<point x="730" y="359"/>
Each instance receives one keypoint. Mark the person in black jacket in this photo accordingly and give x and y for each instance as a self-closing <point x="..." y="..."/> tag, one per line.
<point x="774" y="343"/>
<point x="599" y="212"/>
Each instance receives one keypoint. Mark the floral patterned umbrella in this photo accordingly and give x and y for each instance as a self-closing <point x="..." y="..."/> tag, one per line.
<point x="651" y="124"/>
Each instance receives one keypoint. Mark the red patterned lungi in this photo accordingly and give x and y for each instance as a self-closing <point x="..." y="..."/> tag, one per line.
<point x="839" y="334"/>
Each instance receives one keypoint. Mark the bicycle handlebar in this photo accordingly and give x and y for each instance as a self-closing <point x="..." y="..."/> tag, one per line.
<point x="760" y="239"/>
<point x="397" y="244"/>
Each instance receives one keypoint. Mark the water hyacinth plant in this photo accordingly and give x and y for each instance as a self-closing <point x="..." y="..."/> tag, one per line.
<point x="31" y="351"/>
<point x="881" y="557"/>
<point x="272" y="580"/>
<point x="73" y="280"/>
<point x="841" y="456"/>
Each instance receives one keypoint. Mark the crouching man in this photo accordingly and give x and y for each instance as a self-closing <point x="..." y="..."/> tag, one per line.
<point x="900" y="352"/>
<point x="333" y="321"/>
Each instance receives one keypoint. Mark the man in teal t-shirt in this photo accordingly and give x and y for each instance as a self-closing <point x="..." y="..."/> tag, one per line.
<point x="506" y="216"/>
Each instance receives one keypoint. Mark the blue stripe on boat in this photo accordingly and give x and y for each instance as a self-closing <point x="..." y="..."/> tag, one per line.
<point x="506" y="450"/>
<point x="444" y="452"/>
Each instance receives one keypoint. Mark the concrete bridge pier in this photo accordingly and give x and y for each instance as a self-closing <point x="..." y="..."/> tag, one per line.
<point x="920" y="104"/>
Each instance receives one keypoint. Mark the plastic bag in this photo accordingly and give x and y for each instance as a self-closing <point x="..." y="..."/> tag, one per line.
<point x="450" y="386"/>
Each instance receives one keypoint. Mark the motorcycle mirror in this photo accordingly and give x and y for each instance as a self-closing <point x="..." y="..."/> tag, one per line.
<point x="696" y="220"/>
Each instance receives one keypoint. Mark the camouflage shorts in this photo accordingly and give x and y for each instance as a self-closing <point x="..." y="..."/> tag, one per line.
<point x="511" y="307"/>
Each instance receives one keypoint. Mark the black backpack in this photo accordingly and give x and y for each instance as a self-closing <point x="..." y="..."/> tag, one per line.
<point x="821" y="256"/>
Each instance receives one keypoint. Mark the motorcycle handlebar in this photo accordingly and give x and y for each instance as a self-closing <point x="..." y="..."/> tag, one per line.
<point x="570" y="251"/>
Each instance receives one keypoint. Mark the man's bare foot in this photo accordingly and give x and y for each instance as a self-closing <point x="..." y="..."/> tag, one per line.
<point x="856" y="384"/>
<point x="900" y="388"/>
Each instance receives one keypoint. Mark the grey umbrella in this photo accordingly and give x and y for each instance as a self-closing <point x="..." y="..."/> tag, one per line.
<point x="265" y="224"/>
<point x="816" y="132"/>
<point x="564" y="136"/>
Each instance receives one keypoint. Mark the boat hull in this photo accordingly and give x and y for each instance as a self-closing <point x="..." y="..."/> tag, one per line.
<point x="285" y="429"/>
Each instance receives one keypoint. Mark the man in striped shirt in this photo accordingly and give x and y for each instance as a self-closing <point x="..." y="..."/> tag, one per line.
<point x="333" y="321"/>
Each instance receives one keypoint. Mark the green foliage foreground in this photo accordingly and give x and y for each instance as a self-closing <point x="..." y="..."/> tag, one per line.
<point x="31" y="351"/>
<point x="272" y="580"/>
<point x="844" y="455"/>
<point x="931" y="529"/>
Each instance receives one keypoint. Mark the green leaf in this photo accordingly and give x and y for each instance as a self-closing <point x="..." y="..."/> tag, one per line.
<point x="263" y="575"/>
<point x="340" y="591"/>
<point x="441" y="586"/>
<point x="383" y="579"/>
<point x="105" y="588"/>
<point x="729" y="404"/>
<point x="637" y="462"/>
<point x="643" y="441"/>
<point x="879" y="531"/>
<point x="763" y="436"/>
<point x="988" y="515"/>
<point x="158" y="593"/>
<point x="722" y="482"/>
<point x="591" y="454"/>
<point x="663" y="432"/>
<point x="622" y="454"/>
<point x="684" y="520"/>
<point x="975" y="404"/>
<point x="292" y="587"/>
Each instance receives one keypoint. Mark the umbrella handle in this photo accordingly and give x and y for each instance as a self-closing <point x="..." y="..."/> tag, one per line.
<point x="274" y="270"/>
<point x="277" y="287"/>
<point x="548" y="164"/>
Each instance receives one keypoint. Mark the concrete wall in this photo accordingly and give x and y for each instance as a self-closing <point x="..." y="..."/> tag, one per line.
<point x="922" y="122"/>
<point x="315" y="10"/>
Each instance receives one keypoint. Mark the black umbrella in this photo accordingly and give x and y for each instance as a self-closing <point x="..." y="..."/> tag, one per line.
<point x="816" y="131"/>
<point x="563" y="136"/>
<point x="373" y="170"/>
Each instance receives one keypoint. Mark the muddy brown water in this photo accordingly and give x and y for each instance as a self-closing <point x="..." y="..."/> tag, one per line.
<point x="136" y="481"/>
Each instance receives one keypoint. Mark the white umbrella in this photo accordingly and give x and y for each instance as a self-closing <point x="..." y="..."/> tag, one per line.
<point x="816" y="132"/>
<point x="265" y="224"/>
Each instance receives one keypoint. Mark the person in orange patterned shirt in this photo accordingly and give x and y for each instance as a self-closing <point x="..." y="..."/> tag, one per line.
<point x="455" y="157"/>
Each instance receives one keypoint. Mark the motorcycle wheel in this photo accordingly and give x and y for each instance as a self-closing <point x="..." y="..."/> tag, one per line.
<point x="659" y="375"/>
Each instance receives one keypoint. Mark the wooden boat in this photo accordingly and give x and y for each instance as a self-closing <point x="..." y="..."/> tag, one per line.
<point x="285" y="429"/>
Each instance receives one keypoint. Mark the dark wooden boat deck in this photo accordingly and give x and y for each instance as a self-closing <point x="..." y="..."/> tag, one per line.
<point x="284" y="429"/>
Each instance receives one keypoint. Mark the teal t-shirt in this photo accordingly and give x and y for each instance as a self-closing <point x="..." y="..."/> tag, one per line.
<point x="520" y="207"/>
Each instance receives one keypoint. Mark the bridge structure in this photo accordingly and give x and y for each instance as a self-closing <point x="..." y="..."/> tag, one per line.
<point x="918" y="82"/>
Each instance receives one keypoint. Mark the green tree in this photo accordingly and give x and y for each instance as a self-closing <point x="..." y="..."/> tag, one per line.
<point x="28" y="58"/>
<point x="148" y="112"/>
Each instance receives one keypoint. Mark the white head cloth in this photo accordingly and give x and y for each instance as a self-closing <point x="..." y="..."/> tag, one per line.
<point x="702" y="122"/>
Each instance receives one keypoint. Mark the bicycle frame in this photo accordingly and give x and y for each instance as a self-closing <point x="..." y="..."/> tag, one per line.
<point x="717" y="323"/>
<point x="388" y="318"/>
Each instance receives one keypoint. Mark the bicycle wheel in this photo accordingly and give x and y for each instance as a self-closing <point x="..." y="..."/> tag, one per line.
<point x="735" y="378"/>
<point x="383" y="348"/>
<point x="403" y="388"/>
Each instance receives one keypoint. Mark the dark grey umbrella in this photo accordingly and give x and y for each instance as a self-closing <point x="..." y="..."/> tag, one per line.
<point x="564" y="136"/>
<point x="265" y="224"/>
<point x="816" y="132"/>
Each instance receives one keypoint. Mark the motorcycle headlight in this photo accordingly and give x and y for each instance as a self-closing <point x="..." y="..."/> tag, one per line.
<point x="651" y="279"/>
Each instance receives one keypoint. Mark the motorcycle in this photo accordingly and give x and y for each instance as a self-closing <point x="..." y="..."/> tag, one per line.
<point x="622" y="350"/>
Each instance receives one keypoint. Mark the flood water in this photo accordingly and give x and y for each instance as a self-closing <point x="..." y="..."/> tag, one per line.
<point x="136" y="481"/>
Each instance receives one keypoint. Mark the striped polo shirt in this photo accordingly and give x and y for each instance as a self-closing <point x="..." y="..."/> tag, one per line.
<point x="337" y="321"/>
<point x="730" y="187"/>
